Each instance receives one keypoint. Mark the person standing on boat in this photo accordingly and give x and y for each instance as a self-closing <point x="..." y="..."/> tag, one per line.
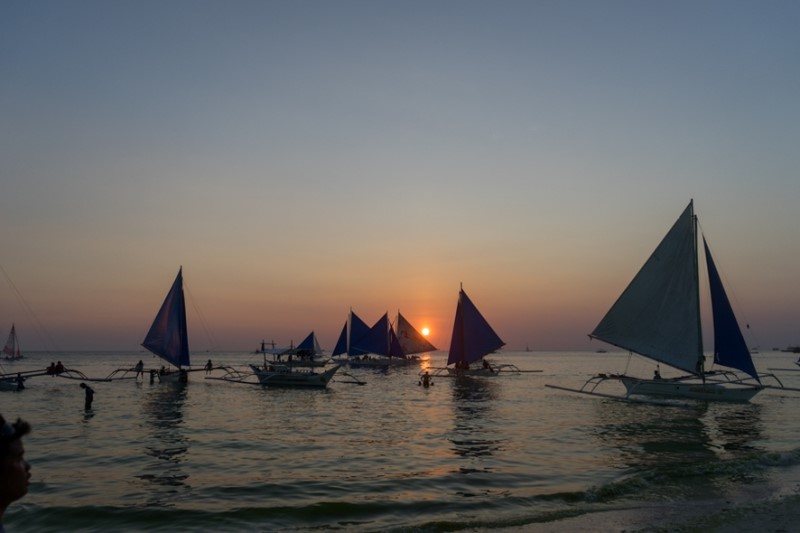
<point x="15" y="471"/>
<point x="209" y="367"/>
<point x="139" y="369"/>
<point x="657" y="372"/>
<point x="89" y="396"/>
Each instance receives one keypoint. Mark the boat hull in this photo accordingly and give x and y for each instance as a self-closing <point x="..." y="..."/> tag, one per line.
<point x="287" y="378"/>
<point x="709" y="391"/>
<point x="381" y="362"/>
<point x="471" y="372"/>
<point x="179" y="376"/>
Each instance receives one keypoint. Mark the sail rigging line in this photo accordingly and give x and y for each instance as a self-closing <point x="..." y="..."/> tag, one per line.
<point x="202" y="320"/>
<point x="37" y="324"/>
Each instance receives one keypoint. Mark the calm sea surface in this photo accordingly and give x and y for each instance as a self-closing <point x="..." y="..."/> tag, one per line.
<point x="475" y="454"/>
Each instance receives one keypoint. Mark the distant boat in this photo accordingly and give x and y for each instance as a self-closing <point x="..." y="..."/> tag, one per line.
<point x="307" y="354"/>
<point x="354" y="328"/>
<point x="472" y="339"/>
<point x="11" y="349"/>
<point x="380" y="347"/>
<point x="168" y="337"/>
<point x="282" y="375"/>
<point x="658" y="317"/>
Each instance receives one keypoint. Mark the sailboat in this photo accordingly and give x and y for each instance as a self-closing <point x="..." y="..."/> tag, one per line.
<point x="473" y="338"/>
<point x="411" y="341"/>
<point x="354" y="328"/>
<point x="306" y="354"/>
<point x="282" y="375"/>
<point x="279" y="373"/>
<point x="11" y="349"/>
<point x="658" y="317"/>
<point x="168" y="337"/>
<point x="380" y="346"/>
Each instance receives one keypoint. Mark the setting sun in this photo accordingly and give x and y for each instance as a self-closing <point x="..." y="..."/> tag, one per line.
<point x="425" y="332"/>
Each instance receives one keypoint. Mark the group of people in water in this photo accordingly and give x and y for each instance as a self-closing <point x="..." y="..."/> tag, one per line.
<point x="55" y="369"/>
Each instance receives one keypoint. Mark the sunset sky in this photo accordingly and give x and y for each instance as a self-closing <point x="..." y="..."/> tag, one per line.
<point x="302" y="158"/>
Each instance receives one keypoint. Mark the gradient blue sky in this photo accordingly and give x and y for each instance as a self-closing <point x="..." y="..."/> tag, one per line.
<point x="300" y="158"/>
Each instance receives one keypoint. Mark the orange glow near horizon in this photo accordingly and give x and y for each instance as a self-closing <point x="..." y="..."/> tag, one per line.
<point x="425" y="332"/>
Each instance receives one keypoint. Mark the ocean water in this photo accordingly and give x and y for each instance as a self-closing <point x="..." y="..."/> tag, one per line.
<point x="469" y="454"/>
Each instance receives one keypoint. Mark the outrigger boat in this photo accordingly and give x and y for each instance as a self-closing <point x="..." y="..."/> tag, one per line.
<point x="380" y="346"/>
<point x="168" y="337"/>
<point x="658" y="317"/>
<point x="473" y="338"/>
<point x="281" y="375"/>
<point x="354" y="328"/>
<point x="307" y="354"/>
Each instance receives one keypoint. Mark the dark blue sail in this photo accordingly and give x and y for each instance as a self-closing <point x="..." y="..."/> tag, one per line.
<point x="730" y="348"/>
<point x="168" y="337"/>
<point x="341" y="343"/>
<point x="358" y="328"/>
<point x="309" y="345"/>
<point x="381" y="340"/>
<point x="473" y="337"/>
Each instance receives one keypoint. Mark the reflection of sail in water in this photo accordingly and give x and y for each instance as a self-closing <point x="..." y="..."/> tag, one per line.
<point x="166" y="445"/>
<point x="472" y="434"/>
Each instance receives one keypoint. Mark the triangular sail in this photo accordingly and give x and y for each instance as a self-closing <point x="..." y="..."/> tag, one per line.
<point x="380" y="340"/>
<point x="11" y="348"/>
<point x="309" y="345"/>
<point x="473" y="337"/>
<point x="341" y="343"/>
<point x="358" y="328"/>
<point x="730" y="348"/>
<point x="354" y="328"/>
<point x="410" y="339"/>
<point x="168" y="336"/>
<point x="395" y="348"/>
<point x="658" y="314"/>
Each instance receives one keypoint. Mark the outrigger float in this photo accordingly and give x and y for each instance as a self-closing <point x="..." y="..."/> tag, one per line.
<point x="713" y="386"/>
<point x="16" y="381"/>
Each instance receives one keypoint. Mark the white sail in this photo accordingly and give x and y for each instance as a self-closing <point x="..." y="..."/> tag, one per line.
<point x="11" y="349"/>
<point x="410" y="339"/>
<point x="658" y="314"/>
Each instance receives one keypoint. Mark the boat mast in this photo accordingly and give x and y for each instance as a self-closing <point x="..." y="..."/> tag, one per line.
<point x="700" y="357"/>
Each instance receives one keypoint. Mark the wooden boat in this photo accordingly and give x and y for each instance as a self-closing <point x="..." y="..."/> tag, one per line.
<point x="281" y="375"/>
<point x="658" y="317"/>
<point x="168" y="337"/>
<point x="473" y="338"/>
<point x="354" y="328"/>
<point x="380" y="347"/>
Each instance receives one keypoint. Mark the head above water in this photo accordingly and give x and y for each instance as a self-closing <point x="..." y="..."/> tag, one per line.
<point x="14" y="469"/>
